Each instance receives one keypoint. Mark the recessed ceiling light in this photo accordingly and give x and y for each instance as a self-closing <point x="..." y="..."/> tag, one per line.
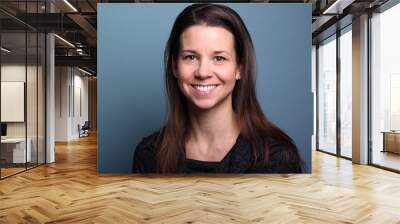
<point x="84" y="71"/>
<point x="64" y="40"/>
<point x="70" y="5"/>
<point x="5" y="50"/>
<point x="337" y="7"/>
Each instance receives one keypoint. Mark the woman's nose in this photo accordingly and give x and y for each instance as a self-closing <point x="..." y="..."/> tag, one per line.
<point x="203" y="70"/>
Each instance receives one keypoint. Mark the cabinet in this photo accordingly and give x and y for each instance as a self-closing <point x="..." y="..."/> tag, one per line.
<point x="391" y="141"/>
<point x="13" y="150"/>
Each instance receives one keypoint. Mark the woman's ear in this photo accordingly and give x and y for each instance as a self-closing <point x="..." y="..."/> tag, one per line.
<point x="238" y="75"/>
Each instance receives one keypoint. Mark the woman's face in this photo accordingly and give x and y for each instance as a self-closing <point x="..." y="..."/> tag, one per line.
<point x="206" y="66"/>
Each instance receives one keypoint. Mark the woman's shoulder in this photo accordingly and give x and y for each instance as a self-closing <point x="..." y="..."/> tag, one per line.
<point x="148" y="142"/>
<point x="144" y="160"/>
<point x="283" y="157"/>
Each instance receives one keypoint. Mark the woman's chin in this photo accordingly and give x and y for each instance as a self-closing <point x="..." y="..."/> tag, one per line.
<point x="203" y="104"/>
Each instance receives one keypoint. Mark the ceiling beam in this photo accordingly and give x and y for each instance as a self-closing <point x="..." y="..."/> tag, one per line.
<point x="85" y="61"/>
<point x="337" y="6"/>
<point x="86" y="26"/>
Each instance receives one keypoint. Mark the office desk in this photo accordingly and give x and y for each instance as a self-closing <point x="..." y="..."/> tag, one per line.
<point x="16" y="147"/>
<point x="391" y="141"/>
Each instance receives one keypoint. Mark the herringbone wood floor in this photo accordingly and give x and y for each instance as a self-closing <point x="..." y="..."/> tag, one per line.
<point x="71" y="191"/>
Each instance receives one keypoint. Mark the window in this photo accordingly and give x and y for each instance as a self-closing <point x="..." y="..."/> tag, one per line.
<point x="327" y="95"/>
<point x="385" y="88"/>
<point x="346" y="92"/>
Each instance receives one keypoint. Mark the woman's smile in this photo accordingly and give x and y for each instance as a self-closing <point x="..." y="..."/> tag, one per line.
<point x="204" y="90"/>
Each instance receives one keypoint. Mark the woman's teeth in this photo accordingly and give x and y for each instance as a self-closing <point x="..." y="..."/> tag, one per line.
<point x="204" y="88"/>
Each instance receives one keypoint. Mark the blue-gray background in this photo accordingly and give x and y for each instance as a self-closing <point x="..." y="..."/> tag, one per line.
<point x="131" y="99"/>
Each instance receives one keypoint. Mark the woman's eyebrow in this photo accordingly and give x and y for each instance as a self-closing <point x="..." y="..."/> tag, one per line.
<point x="222" y="52"/>
<point x="188" y="51"/>
<point x="214" y="52"/>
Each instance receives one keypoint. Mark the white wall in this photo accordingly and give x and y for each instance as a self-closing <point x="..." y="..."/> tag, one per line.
<point x="71" y="94"/>
<point x="16" y="73"/>
<point x="62" y="81"/>
<point x="79" y="110"/>
<point x="12" y="73"/>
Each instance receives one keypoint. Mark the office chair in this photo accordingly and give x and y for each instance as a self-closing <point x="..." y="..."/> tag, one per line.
<point x="84" y="130"/>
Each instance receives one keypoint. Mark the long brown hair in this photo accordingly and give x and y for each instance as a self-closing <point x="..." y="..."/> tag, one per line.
<point x="254" y="126"/>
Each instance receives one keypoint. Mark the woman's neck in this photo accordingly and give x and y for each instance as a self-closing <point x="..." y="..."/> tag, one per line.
<point x="212" y="129"/>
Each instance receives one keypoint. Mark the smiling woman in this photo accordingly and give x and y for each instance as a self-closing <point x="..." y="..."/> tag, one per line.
<point x="215" y="123"/>
<point x="206" y="66"/>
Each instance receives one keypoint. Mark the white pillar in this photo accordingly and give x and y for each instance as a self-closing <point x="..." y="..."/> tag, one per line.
<point x="50" y="100"/>
<point x="50" y="93"/>
<point x="360" y="90"/>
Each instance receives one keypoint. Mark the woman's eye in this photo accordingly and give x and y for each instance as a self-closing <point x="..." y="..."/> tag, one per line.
<point x="190" y="57"/>
<point x="219" y="59"/>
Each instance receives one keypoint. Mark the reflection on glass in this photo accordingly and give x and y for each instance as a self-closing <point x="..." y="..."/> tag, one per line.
<point x="395" y="101"/>
<point x="31" y="101"/>
<point x="346" y="93"/>
<point x="327" y="96"/>
<point x="14" y="153"/>
<point x="41" y="98"/>
<point x="22" y="90"/>
<point x="386" y="88"/>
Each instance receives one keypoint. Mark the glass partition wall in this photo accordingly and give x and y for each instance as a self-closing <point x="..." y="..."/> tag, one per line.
<point x="22" y="88"/>
<point x="385" y="89"/>
<point x="326" y="60"/>
<point x="345" y="62"/>
<point x="334" y="83"/>
<point x="13" y="88"/>
<point x="334" y="93"/>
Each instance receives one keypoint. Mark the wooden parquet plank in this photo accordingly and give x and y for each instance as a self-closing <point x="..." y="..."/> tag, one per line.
<point x="71" y="191"/>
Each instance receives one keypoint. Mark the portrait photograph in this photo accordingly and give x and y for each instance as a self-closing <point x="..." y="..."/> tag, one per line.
<point x="204" y="88"/>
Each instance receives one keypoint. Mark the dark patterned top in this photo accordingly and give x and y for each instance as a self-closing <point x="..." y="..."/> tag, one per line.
<point x="237" y="160"/>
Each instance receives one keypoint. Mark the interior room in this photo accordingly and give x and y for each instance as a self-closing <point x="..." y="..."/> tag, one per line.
<point x="50" y="149"/>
